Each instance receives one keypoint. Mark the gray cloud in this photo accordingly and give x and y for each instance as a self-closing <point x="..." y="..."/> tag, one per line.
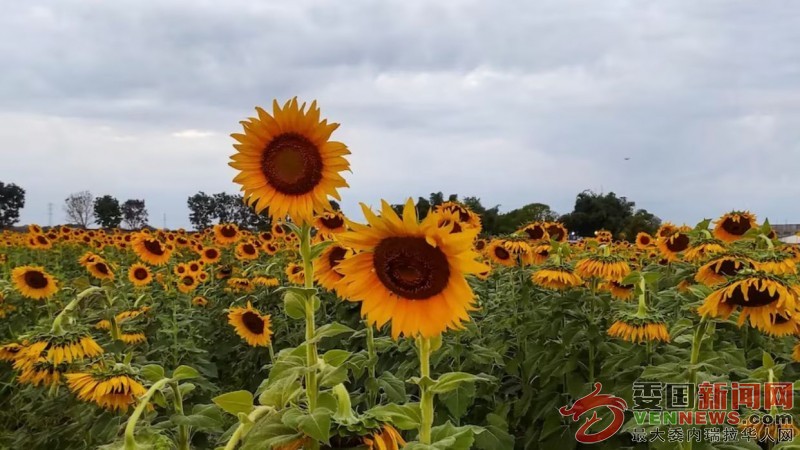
<point x="511" y="101"/>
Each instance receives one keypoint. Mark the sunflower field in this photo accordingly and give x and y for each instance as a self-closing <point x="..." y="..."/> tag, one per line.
<point x="402" y="330"/>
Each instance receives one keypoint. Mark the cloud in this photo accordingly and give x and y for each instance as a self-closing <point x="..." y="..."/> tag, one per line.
<point x="514" y="102"/>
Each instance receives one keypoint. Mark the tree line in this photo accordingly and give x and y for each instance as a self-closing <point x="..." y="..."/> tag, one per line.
<point x="591" y="212"/>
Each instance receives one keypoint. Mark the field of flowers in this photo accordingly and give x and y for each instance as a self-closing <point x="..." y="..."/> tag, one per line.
<point x="404" y="329"/>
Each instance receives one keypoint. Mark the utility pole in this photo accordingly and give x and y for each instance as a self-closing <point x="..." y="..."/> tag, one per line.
<point x="50" y="214"/>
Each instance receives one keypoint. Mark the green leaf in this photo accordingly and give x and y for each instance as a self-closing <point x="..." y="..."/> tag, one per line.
<point x="198" y="422"/>
<point x="336" y="357"/>
<point x="268" y="432"/>
<point x="326" y="400"/>
<point x="394" y="387"/>
<point x="319" y="247"/>
<point x="450" y="437"/>
<point x="330" y="330"/>
<point x="330" y="376"/>
<point x="152" y="372"/>
<point x="294" y="305"/>
<point x="185" y="373"/>
<point x="495" y="436"/>
<point x="452" y="380"/>
<point x="458" y="400"/>
<point x="767" y="361"/>
<point x="317" y="425"/>
<point x="281" y="392"/>
<point x="404" y="417"/>
<point x="235" y="402"/>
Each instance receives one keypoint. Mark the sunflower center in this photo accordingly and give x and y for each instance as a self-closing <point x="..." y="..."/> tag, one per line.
<point x="292" y="164"/>
<point x="755" y="297"/>
<point x="35" y="279"/>
<point x="253" y="322"/>
<point x="728" y="267"/>
<point x="154" y="247"/>
<point x="102" y="268"/>
<point x="228" y="231"/>
<point x="555" y="232"/>
<point x="332" y="222"/>
<point x="779" y="319"/>
<point x="480" y="244"/>
<point x="336" y="256"/>
<point x="140" y="273"/>
<point x="42" y="240"/>
<point x="187" y="281"/>
<point x="296" y="270"/>
<point x="501" y="253"/>
<point x="678" y="243"/>
<point x="644" y="240"/>
<point x="411" y="268"/>
<point x="249" y="249"/>
<point x="736" y="227"/>
<point x="211" y="253"/>
<point x="535" y="233"/>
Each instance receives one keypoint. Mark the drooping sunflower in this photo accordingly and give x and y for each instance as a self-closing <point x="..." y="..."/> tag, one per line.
<point x="325" y="266"/>
<point x="758" y="296"/>
<point x="210" y="255"/>
<point x="733" y="225"/>
<point x="556" y="277"/>
<point x="33" y="282"/>
<point x="603" y="236"/>
<point x="246" y="251"/>
<point x="535" y="231"/>
<point x="717" y="270"/>
<point x="287" y="162"/>
<point x="330" y="223"/>
<point x="100" y="270"/>
<point x="73" y="346"/>
<point x="618" y="290"/>
<point x="295" y="273"/>
<point x="139" y="275"/>
<point x="409" y="272"/>
<point x="556" y="231"/>
<point x="240" y="285"/>
<point x="644" y="240"/>
<point x="386" y="438"/>
<point x="611" y="267"/>
<point x="702" y="249"/>
<point x="250" y="325"/>
<point x="675" y="243"/>
<point x="9" y="352"/>
<point x="151" y="250"/>
<point x="200" y="301"/>
<point x="38" y="372"/>
<point x="115" y="391"/>
<point x="226" y="233"/>
<point x="132" y="338"/>
<point x="466" y="217"/>
<point x="778" y="263"/>
<point x="540" y="253"/>
<point x="637" y="331"/>
<point x="783" y="325"/>
<point x="266" y="281"/>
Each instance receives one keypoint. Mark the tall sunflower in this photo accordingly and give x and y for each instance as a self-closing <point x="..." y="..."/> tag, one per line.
<point x="639" y="330"/>
<point x="498" y="253"/>
<point x="410" y="273"/>
<point x="246" y="251"/>
<point x="250" y="325"/>
<point x="611" y="267"/>
<point x="717" y="270"/>
<point x="210" y="255"/>
<point x="329" y="223"/>
<point x="100" y="270"/>
<point x="733" y="225"/>
<point x="673" y="244"/>
<point x="466" y="217"/>
<point x="287" y="162"/>
<point x="535" y="231"/>
<point x="151" y="250"/>
<point x="33" y="282"/>
<point x="295" y="273"/>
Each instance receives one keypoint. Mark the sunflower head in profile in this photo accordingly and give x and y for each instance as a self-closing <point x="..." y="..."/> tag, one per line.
<point x="246" y="251"/>
<point x="638" y="330"/>
<point x="757" y="296"/>
<point x="224" y="272"/>
<point x="330" y="223"/>
<point x="266" y="281"/>
<point x="409" y="272"/>
<point x="619" y="290"/>
<point x="702" y="249"/>
<point x="556" y="231"/>
<point x="385" y="438"/>
<point x="326" y="266"/>
<point x="240" y="285"/>
<point x="520" y="248"/>
<point x="644" y="240"/>
<point x="295" y="273"/>
<point x="72" y="346"/>
<point x="719" y="269"/>
<point x="39" y="372"/>
<point x="151" y="250"/>
<point x="733" y="225"/>
<point x="9" y="352"/>
<point x="100" y="270"/>
<point x="672" y="244"/>
<point x="556" y="277"/>
<point x="250" y="325"/>
<point x="287" y="163"/>
<point x="778" y="263"/>
<point x="226" y="233"/>
<point x="465" y="216"/>
<point x="34" y="282"/>
<point x="607" y="267"/>
<point x="200" y="301"/>
<point x="783" y="325"/>
<point x="535" y="231"/>
<point x="114" y="390"/>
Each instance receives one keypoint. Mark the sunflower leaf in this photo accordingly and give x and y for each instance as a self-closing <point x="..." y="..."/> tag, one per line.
<point x="451" y="381"/>
<point x="404" y="417"/>
<point x="152" y="372"/>
<point x="331" y="330"/>
<point x="317" y="425"/>
<point x="235" y="402"/>
<point x="320" y="247"/>
<point x="185" y="373"/>
<point x="294" y="305"/>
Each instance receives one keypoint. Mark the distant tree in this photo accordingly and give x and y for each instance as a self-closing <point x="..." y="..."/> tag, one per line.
<point x="452" y="198"/>
<point x="489" y="217"/>
<point x="107" y="211"/>
<point x="594" y="212"/>
<point x="78" y="208"/>
<point x="134" y="214"/>
<point x="436" y="198"/>
<point x="12" y="199"/>
<point x="335" y="205"/>
<point x="641" y="220"/>
<point x="202" y="213"/>
<point x="423" y="206"/>
<point x="512" y="220"/>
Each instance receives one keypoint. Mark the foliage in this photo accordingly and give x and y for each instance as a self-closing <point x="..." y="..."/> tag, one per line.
<point x="78" y="208"/>
<point x="134" y="214"/>
<point x="594" y="212"/>
<point x="107" y="212"/>
<point x="206" y="210"/>
<point x="12" y="199"/>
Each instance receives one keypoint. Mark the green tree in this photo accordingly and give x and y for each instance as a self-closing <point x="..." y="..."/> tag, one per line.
<point x="512" y="220"/>
<point x="594" y="212"/>
<point x="12" y="199"/>
<point x="201" y="210"/>
<point x="78" y="208"/>
<point x="423" y="206"/>
<point x="134" y="214"/>
<point x="107" y="211"/>
<point x="641" y="220"/>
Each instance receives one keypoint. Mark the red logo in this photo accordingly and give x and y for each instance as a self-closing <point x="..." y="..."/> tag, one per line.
<point x="592" y="401"/>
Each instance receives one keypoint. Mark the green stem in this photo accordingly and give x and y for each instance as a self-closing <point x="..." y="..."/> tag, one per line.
<point x="240" y="430"/>
<point x="58" y="326"/>
<point x="696" y="344"/>
<point x="371" y="355"/>
<point x="312" y="391"/>
<point x="642" y="312"/>
<point x="426" y="399"/>
<point x="183" y="430"/>
<point x="130" y="440"/>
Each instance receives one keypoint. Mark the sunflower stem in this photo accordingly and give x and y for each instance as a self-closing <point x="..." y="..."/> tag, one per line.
<point x="312" y="391"/>
<point x="642" y="312"/>
<point x="130" y="440"/>
<point x="699" y="333"/>
<point x="372" y="357"/>
<point x="183" y="430"/>
<point x="426" y="397"/>
<point x="58" y="327"/>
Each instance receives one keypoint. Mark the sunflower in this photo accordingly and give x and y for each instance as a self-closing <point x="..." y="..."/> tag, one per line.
<point x="33" y="282"/>
<point x="556" y="277"/>
<point x="287" y="163"/>
<point x="499" y="254"/>
<point x="603" y="236"/>
<point x="151" y="250"/>
<point x="703" y="249"/>
<point x="246" y="251"/>
<point x="200" y="301"/>
<point x="113" y="391"/>
<point x="643" y="240"/>
<point x="674" y="243"/>
<point x="295" y="273"/>
<point x="733" y="225"/>
<point x="210" y="255"/>
<point x="606" y="267"/>
<point x="466" y="218"/>
<point x="783" y="325"/>
<point x="270" y="248"/>
<point x="187" y="283"/>
<point x="480" y="245"/>
<point x="250" y="325"/>
<point x="666" y="230"/>
<point x="715" y="271"/>
<point x="240" y="285"/>
<point x="132" y="338"/>
<point x="643" y="330"/>
<point x="759" y="297"/>
<point x="266" y="281"/>
<point x="226" y="233"/>
<point x="100" y="270"/>
<point x="278" y="229"/>
<point x="74" y="346"/>
<point x="195" y="267"/>
<point x="9" y="352"/>
<point x="325" y="265"/>
<point x="387" y="438"/>
<point x="540" y="253"/>
<point x="618" y="290"/>
<point x="224" y="272"/>
<point x="139" y="275"/>
<point x="40" y="242"/>
<point x="38" y="372"/>
<point x="535" y="231"/>
<point x="449" y="220"/>
<point x="409" y="272"/>
<point x="330" y="223"/>
<point x="778" y="264"/>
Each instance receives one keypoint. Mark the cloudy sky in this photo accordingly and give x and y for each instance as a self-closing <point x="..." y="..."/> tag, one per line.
<point x="514" y="102"/>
